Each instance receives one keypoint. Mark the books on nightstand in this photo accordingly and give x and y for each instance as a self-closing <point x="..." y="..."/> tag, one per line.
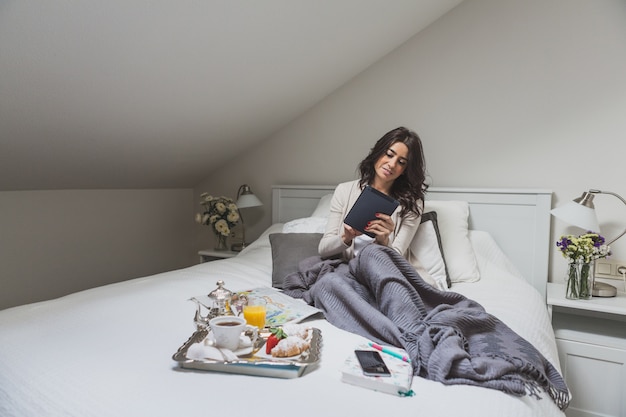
<point x="399" y="383"/>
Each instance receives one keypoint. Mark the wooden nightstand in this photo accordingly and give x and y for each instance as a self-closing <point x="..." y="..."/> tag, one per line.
<point x="591" y="341"/>
<point x="208" y="255"/>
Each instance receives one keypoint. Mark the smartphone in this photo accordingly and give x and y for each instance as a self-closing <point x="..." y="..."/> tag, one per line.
<point x="372" y="363"/>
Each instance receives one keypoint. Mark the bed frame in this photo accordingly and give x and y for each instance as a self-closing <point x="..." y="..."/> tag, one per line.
<point x="517" y="219"/>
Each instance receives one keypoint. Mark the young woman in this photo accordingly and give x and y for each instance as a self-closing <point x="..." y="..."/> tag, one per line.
<point x="370" y="287"/>
<point x="395" y="166"/>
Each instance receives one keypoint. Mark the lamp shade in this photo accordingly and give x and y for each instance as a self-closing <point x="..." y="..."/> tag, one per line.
<point x="578" y="215"/>
<point x="246" y="198"/>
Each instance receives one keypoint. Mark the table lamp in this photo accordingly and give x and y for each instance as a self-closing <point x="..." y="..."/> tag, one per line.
<point x="245" y="199"/>
<point x="581" y="212"/>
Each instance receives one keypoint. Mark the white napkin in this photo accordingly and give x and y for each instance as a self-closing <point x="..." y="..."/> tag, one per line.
<point x="207" y="350"/>
<point x="201" y="351"/>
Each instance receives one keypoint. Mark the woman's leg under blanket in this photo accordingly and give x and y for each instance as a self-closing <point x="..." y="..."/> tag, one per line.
<point x="349" y="306"/>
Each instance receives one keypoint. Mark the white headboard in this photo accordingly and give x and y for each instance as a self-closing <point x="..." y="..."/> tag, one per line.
<point x="517" y="219"/>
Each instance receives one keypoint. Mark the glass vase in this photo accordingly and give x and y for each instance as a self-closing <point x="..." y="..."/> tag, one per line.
<point x="221" y="242"/>
<point x="579" y="280"/>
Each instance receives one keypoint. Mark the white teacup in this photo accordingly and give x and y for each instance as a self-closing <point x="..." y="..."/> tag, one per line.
<point x="227" y="331"/>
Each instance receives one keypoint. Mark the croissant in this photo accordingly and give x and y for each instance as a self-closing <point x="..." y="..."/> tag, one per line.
<point x="290" y="346"/>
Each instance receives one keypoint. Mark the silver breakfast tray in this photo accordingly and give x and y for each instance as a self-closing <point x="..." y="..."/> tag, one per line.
<point x="252" y="364"/>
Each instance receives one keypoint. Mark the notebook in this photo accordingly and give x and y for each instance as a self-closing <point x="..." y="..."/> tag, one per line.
<point x="370" y="202"/>
<point x="398" y="384"/>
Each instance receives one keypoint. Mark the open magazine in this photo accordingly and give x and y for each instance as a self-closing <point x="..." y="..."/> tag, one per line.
<point x="281" y="308"/>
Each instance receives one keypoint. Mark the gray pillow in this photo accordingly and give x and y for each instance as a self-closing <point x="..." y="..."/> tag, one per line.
<point x="288" y="249"/>
<point x="428" y="249"/>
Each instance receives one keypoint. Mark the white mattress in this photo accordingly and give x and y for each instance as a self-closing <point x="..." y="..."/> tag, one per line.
<point x="107" y="351"/>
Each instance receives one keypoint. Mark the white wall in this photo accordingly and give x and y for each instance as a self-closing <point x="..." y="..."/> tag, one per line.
<point x="504" y="93"/>
<point x="56" y="242"/>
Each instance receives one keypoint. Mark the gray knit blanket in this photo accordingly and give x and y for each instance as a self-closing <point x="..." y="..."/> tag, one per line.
<point x="449" y="338"/>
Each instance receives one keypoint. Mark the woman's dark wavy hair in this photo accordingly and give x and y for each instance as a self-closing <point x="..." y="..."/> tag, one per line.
<point x="409" y="187"/>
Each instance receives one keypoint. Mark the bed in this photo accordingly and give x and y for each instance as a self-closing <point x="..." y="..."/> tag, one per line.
<point x="109" y="350"/>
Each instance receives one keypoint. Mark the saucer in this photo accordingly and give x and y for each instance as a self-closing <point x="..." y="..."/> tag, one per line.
<point x="245" y="345"/>
<point x="243" y="351"/>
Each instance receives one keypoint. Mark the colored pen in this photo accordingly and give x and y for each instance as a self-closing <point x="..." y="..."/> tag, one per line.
<point x="390" y="352"/>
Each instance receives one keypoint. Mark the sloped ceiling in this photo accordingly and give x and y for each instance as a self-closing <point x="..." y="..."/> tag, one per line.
<point x="156" y="94"/>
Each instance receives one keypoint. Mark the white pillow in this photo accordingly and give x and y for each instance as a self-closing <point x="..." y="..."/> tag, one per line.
<point x="323" y="207"/>
<point x="306" y="225"/>
<point x="453" y="223"/>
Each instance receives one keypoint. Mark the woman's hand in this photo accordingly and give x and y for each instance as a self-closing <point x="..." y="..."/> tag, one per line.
<point x="349" y="234"/>
<point x="381" y="228"/>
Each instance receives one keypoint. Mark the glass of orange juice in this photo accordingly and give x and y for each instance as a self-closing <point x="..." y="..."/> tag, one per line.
<point x="255" y="311"/>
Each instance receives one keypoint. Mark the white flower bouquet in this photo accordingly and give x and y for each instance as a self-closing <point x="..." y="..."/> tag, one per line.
<point x="220" y="213"/>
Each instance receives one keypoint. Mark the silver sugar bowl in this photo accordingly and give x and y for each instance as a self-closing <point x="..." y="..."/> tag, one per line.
<point x="221" y="298"/>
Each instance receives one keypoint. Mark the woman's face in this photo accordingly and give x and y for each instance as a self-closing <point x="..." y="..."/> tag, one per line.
<point x="392" y="163"/>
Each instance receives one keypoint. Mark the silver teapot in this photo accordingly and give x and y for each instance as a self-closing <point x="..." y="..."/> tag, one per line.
<point x="217" y="303"/>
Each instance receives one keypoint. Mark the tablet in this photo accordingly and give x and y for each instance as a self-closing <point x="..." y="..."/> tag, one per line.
<point x="370" y="202"/>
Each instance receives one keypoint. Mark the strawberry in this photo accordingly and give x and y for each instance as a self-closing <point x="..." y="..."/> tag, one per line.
<point x="274" y="338"/>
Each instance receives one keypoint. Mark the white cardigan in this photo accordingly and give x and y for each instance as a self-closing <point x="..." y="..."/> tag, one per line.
<point x="343" y="199"/>
<point x="400" y="239"/>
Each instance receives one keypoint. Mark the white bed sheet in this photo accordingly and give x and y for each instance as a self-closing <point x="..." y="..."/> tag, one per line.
<point x="107" y="351"/>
